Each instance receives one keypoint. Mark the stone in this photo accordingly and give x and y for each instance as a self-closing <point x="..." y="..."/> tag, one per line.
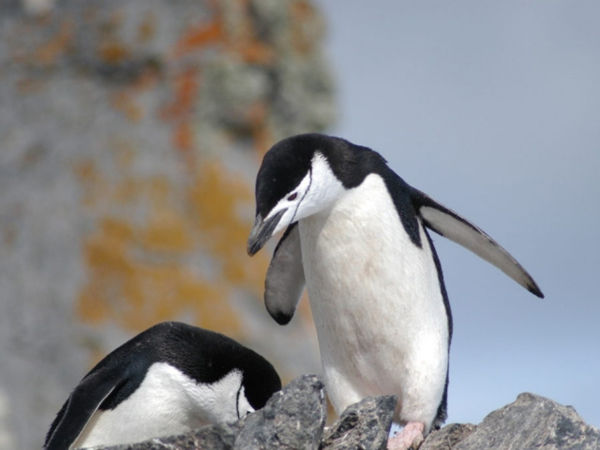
<point x="213" y="437"/>
<point x="364" y="425"/>
<point x="447" y="437"/>
<point x="529" y="422"/>
<point x="293" y="418"/>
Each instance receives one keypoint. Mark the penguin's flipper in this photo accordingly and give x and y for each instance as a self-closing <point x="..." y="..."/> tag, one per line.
<point x="285" y="277"/>
<point x="83" y="402"/>
<point x="456" y="228"/>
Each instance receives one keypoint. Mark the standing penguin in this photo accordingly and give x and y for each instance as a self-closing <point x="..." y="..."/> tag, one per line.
<point x="168" y="380"/>
<point x="356" y="237"/>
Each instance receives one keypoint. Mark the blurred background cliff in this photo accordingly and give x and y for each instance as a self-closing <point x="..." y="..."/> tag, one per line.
<point x="130" y="135"/>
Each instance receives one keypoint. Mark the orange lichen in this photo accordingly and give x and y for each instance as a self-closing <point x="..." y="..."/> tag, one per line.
<point x="113" y="52"/>
<point x="186" y="85"/>
<point x="123" y="101"/>
<point x="242" y="42"/>
<point x="138" y="273"/>
<point x="136" y="293"/>
<point x="166" y="231"/>
<point x="200" y="36"/>
<point x="49" y="52"/>
<point x="180" y="110"/>
<point x="216" y="197"/>
<point x="301" y="12"/>
<point x="183" y="137"/>
<point x="165" y="249"/>
<point x="255" y="52"/>
<point x="147" y="29"/>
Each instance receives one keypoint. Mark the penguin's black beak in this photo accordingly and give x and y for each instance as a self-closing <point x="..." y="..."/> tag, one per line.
<point x="262" y="231"/>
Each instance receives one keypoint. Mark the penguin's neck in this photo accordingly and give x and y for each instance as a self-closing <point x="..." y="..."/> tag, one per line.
<point x="360" y="223"/>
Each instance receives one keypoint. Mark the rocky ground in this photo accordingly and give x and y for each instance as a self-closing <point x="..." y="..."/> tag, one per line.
<point x="294" y="418"/>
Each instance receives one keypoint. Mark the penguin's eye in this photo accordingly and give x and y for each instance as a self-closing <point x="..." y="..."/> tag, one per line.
<point x="293" y="196"/>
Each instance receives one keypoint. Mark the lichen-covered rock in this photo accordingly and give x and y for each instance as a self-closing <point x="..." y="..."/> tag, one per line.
<point x="292" y="419"/>
<point x="364" y="425"/>
<point x="529" y="422"/>
<point x="130" y="136"/>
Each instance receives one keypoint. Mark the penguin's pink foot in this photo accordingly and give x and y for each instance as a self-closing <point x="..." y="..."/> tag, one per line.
<point x="410" y="437"/>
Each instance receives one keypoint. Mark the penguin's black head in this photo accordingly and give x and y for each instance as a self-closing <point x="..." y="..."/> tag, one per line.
<point x="234" y="371"/>
<point x="260" y="382"/>
<point x="302" y="175"/>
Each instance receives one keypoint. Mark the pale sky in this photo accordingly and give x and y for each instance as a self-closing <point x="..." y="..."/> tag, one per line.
<point x="493" y="109"/>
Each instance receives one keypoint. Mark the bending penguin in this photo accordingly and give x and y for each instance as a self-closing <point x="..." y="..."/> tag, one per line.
<point x="168" y="380"/>
<point x="356" y="236"/>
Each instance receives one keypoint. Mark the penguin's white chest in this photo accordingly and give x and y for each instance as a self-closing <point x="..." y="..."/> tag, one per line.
<point x="377" y="304"/>
<point x="166" y="403"/>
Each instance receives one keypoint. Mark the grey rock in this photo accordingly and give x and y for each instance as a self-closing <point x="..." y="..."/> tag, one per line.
<point x="213" y="437"/>
<point x="448" y="437"/>
<point x="530" y="422"/>
<point x="364" y="425"/>
<point x="293" y="418"/>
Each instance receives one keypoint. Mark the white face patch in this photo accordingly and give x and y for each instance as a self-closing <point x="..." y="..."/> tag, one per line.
<point x="316" y="192"/>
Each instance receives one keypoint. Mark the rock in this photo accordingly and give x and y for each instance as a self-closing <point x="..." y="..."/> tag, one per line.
<point x="295" y="417"/>
<point x="448" y="437"/>
<point x="531" y="421"/>
<point x="292" y="419"/>
<point x="364" y="425"/>
<point x="130" y="137"/>
<point x="213" y="437"/>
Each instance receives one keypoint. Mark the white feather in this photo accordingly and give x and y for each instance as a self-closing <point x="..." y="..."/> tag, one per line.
<point x="166" y="403"/>
<point x="376" y="301"/>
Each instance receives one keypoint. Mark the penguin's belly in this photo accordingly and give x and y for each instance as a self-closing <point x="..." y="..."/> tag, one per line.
<point x="377" y="304"/>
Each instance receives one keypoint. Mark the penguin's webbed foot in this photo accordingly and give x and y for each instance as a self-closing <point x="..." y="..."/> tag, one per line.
<point x="410" y="438"/>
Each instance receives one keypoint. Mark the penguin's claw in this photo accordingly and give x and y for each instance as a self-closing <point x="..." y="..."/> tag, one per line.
<point x="410" y="438"/>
